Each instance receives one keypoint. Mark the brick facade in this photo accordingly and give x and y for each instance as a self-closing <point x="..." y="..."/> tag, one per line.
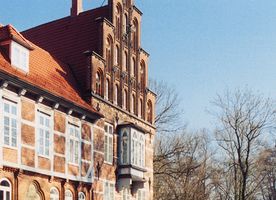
<point x="70" y="117"/>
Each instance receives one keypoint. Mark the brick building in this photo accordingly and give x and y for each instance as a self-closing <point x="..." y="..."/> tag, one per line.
<point x="75" y="109"/>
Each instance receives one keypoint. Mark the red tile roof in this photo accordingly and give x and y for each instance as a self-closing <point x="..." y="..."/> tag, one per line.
<point x="45" y="71"/>
<point x="68" y="38"/>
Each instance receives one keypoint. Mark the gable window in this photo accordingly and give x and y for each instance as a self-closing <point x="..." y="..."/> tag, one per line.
<point x="108" y="54"/>
<point x="117" y="55"/>
<point x="44" y="134"/>
<point x="116" y="94"/>
<point x="81" y="196"/>
<point x="5" y="190"/>
<point x="108" y="143"/>
<point x="74" y="144"/>
<point x="19" y="56"/>
<point x="10" y="123"/>
<point x="68" y="195"/>
<point x="109" y="189"/>
<point x="54" y="194"/>
<point x="107" y="89"/>
<point x="149" y="112"/>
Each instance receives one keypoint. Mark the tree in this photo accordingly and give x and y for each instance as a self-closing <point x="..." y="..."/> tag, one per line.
<point x="168" y="112"/>
<point x="242" y="118"/>
<point x="181" y="167"/>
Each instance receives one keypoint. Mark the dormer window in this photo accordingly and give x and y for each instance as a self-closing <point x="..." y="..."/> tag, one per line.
<point x="19" y="56"/>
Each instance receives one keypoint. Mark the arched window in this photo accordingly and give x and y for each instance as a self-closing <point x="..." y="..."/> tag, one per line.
<point x="132" y="104"/>
<point x="5" y="189"/>
<point x="125" y="99"/>
<point x="125" y="62"/>
<point x="107" y="88"/>
<point x="125" y="148"/>
<point x="117" y="55"/>
<point x="81" y="196"/>
<point x="142" y="75"/>
<point x="125" y="23"/>
<point x="98" y="83"/>
<point x="132" y="69"/>
<point x="140" y="108"/>
<point x="149" y="112"/>
<point x="118" y="21"/>
<point x="135" y="35"/>
<point x="108" y="54"/>
<point x="54" y="194"/>
<point x="116" y="94"/>
<point x="68" y="195"/>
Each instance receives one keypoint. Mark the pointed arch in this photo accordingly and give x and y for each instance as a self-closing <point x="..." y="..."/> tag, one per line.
<point x="149" y="112"/>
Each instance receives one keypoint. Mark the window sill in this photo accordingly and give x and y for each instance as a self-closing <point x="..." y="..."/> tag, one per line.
<point x="10" y="147"/>
<point x="108" y="163"/>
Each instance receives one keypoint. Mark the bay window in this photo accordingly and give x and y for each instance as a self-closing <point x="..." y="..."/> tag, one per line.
<point x="74" y="144"/>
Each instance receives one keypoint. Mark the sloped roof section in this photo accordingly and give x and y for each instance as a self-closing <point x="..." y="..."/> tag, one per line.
<point x="45" y="71"/>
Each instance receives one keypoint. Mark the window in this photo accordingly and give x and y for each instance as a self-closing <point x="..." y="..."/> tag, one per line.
<point x="117" y="55"/>
<point x="108" y="143"/>
<point x="10" y="123"/>
<point x="125" y="62"/>
<point x="135" y="34"/>
<point x="68" y="195"/>
<point x="19" y="56"/>
<point x="81" y="196"/>
<point x="74" y="144"/>
<point x="132" y="69"/>
<point x="98" y="83"/>
<point x="54" y="194"/>
<point x="109" y="189"/>
<point x="141" y="195"/>
<point x="126" y="194"/>
<point x="132" y="104"/>
<point x="142" y="76"/>
<point x="118" y="22"/>
<point x="140" y="108"/>
<point x="108" y="54"/>
<point x="116" y="94"/>
<point x="138" y="149"/>
<point x="5" y="190"/>
<point x="125" y="24"/>
<point x="125" y="99"/>
<point x="107" y="89"/>
<point x="149" y="112"/>
<point x="44" y="134"/>
<point x="124" y="143"/>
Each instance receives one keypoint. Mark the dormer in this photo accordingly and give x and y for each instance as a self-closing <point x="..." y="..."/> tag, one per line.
<point x="19" y="56"/>
<point x="16" y="47"/>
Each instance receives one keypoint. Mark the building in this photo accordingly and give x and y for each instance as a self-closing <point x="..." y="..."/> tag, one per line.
<point x="76" y="112"/>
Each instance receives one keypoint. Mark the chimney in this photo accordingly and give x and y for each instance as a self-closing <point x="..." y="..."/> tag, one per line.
<point x="76" y="7"/>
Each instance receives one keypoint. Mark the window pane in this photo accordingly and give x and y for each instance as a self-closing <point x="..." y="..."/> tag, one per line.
<point x="6" y="108"/>
<point x="77" y="152"/>
<point x="14" y="111"/>
<point x="13" y="123"/>
<point x="6" y="121"/>
<point x="105" y="147"/>
<point x="47" y="122"/>
<point x="41" y="120"/>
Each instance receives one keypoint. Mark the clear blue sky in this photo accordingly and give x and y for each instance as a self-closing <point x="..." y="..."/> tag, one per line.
<point x="199" y="47"/>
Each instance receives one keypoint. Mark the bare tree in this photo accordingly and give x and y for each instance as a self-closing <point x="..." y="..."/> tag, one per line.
<point x="181" y="167"/>
<point x="242" y="118"/>
<point x="168" y="112"/>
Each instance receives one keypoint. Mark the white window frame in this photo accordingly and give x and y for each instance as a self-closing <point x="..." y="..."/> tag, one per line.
<point x="109" y="191"/>
<point x="108" y="143"/>
<point x="54" y="194"/>
<point x="126" y="194"/>
<point x="68" y="195"/>
<point x="45" y="115"/>
<point x="76" y="140"/>
<point x="20" y="56"/>
<point x="11" y="117"/>
<point x="81" y="196"/>
<point x="137" y="149"/>
<point x="6" y="189"/>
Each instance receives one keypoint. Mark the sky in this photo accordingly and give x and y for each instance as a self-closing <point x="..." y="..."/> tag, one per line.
<point x="200" y="48"/>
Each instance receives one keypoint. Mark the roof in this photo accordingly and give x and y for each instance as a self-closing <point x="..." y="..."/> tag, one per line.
<point x="45" y="71"/>
<point x="68" y="38"/>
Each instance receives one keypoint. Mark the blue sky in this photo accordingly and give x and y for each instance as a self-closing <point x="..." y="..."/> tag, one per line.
<point x="199" y="47"/>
